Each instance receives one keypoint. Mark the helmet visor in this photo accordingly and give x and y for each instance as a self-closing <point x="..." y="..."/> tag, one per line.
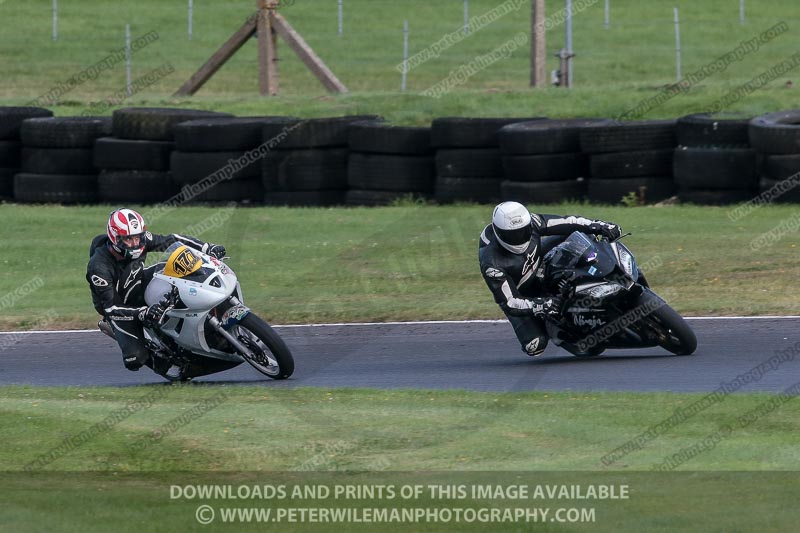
<point x="516" y="236"/>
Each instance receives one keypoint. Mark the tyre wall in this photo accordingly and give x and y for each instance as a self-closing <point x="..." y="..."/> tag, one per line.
<point x="151" y="155"/>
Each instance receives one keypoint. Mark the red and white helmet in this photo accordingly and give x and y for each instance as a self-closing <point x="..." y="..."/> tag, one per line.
<point x="126" y="223"/>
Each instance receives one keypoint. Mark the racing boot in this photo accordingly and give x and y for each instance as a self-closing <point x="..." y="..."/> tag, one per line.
<point x="106" y="328"/>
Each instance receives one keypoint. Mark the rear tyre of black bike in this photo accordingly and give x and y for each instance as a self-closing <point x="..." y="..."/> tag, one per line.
<point x="270" y="355"/>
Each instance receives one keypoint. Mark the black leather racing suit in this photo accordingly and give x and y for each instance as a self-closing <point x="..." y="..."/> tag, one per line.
<point x="118" y="287"/>
<point x="515" y="279"/>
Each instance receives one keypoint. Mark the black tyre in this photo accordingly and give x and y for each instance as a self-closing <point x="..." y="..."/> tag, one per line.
<point x="473" y="163"/>
<point x="551" y="167"/>
<point x="647" y="189"/>
<point x="714" y="129"/>
<point x="154" y="123"/>
<point x="542" y="192"/>
<point x="128" y="154"/>
<point x="7" y="182"/>
<point x="220" y="134"/>
<point x="245" y="190"/>
<point x="313" y="132"/>
<point x="305" y="198"/>
<point x="64" y="132"/>
<point x="666" y="326"/>
<point x="543" y="136"/>
<point x="135" y="186"/>
<point x="381" y="138"/>
<point x="632" y="164"/>
<point x="191" y="167"/>
<point x="706" y="197"/>
<point x="306" y="170"/>
<point x="55" y="188"/>
<point x="779" y="167"/>
<point x="375" y="198"/>
<point x="715" y="168"/>
<point x="776" y="133"/>
<point x="57" y="161"/>
<point x="10" y="153"/>
<point x="478" y="190"/>
<point x="628" y="136"/>
<point x="11" y="119"/>
<point x="390" y="172"/>
<point x="270" y="355"/>
<point x="782" y="191"/>
<point x="460" y="132"/>
<point x="276" y="130"/>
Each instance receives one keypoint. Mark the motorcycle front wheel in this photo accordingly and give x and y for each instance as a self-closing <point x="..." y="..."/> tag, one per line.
<point x="670" y="330"/>
<point x="270" y="355"/>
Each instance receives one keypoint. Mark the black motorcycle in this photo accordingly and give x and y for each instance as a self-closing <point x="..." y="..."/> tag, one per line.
<point x="607" y="301"/>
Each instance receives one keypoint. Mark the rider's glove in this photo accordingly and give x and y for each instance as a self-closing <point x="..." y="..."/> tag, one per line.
<point x="151" y="316"/>
<point x="550" y="306"/>
<point x="217" y="251"/>
<point x="611" y="232"/>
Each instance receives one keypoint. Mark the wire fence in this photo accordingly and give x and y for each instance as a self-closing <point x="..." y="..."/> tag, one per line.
<point x="616" y="42"/>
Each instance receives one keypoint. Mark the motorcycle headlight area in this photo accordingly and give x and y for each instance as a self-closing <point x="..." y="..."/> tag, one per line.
<point x="600" y="291"/>
<point x="626" y="260"/>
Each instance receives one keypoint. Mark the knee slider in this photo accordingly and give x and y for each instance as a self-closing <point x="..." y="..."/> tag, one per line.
<point x="536" y="346"/>
<point x="135" y="360"/>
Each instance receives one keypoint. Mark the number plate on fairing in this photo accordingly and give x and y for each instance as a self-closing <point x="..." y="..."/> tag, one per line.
<point x="234" y="315"/>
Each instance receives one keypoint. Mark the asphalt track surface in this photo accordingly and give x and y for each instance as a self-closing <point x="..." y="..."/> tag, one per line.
<point x="479" y="356"/>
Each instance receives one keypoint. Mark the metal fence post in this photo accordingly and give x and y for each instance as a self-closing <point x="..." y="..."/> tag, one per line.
<point x="128" y="59"/>
<point x="678" y="43"/>
<point x="405" y="55"/>
<point x="570" y="54"/>
<point x="340" y="17"/>
<point x="55" y="20"/>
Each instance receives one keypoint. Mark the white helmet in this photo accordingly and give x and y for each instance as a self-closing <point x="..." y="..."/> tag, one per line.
<point x="511" y="223"/>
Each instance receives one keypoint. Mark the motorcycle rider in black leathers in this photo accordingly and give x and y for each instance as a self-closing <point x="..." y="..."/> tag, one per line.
<point x="118" y="278"/>
<point x="510" y="255"/>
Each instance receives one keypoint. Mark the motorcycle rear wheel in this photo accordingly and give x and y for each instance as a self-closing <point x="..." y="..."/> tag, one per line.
<point x="270" y="356"/>
<point x="671" y="331"/>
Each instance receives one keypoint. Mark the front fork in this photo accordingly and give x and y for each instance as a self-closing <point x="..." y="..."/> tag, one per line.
<point x="232" y="316"/>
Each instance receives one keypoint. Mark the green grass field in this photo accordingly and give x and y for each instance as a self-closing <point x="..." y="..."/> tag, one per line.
<point x="395" y="263"/>
<point x="188" y="435"/>
<point x="614" y="69"/>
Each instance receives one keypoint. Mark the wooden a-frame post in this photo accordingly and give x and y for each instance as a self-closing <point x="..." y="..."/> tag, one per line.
<point x="266" y="23"/>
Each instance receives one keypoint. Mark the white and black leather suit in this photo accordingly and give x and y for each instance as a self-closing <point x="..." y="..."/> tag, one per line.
<point x="515" y="279"/>
<point x="118" y="287"/>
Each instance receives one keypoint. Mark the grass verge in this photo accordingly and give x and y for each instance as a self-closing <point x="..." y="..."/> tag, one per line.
<point x="133" y="472"/>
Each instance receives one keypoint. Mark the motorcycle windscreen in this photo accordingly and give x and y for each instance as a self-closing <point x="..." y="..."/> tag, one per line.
<point x="569" y="253"/>
<point x="578" y="251"/>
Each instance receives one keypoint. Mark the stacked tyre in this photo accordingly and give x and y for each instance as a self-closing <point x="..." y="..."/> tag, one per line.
<point x="543" y="162"/>
<point x="57" y="163"/>
<point x="308" y="163"/>
<point x="776" y="139"/>
<point x="629" y="157"/>
<point x="210" y="161"/>
<point x="388" y="162"/>
<point x="469" y="166"/>
<point x="135" y="162"/>
<point x="714" y="164"/>
<point x="11" y="119"/>
<point x="10" y="146"/>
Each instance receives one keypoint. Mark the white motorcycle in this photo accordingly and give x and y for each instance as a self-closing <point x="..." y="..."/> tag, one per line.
<point x="206" y="326"/>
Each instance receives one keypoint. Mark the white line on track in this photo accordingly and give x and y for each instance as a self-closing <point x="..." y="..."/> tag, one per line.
<point x="417" y="323"/>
